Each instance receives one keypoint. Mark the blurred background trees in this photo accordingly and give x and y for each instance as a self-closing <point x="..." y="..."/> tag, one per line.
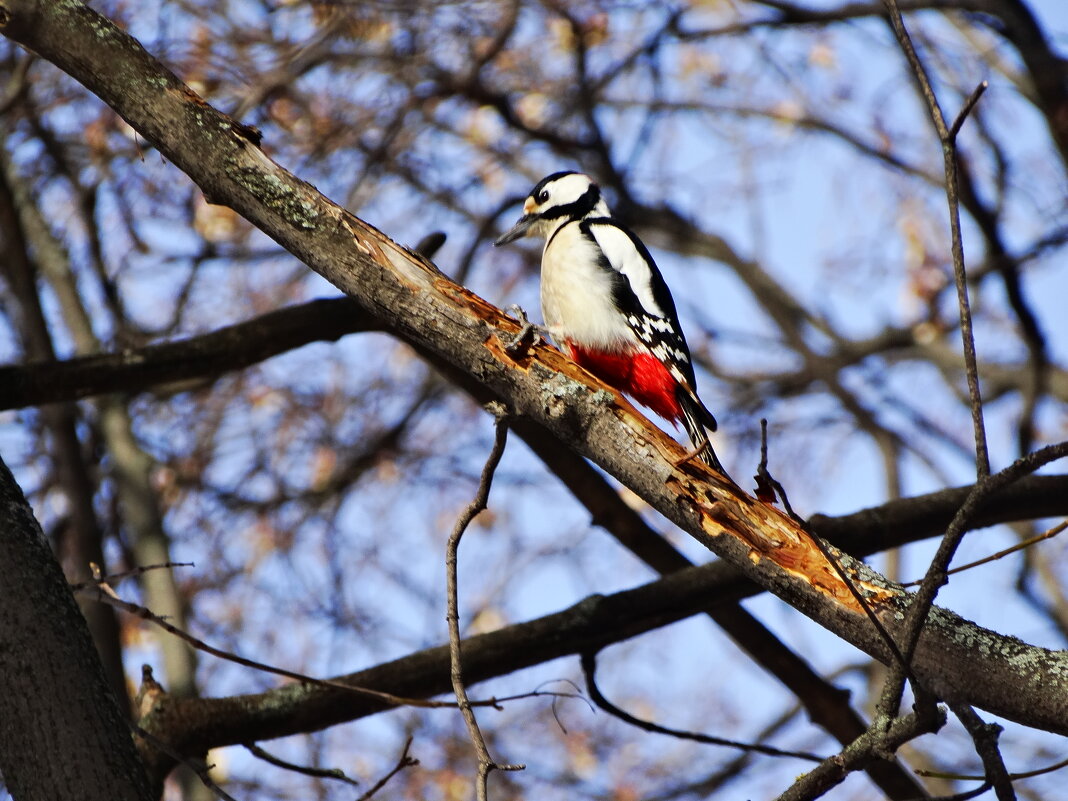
<point x="778" y="160"/>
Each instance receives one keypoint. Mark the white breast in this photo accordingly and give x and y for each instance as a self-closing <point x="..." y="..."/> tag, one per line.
<point x="576" y="293"/>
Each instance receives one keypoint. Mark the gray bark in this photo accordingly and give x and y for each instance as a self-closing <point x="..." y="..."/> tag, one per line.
<point x="62" y="735"/>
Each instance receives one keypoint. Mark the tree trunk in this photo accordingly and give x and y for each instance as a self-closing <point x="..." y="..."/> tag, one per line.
<point x="62" y="735"/>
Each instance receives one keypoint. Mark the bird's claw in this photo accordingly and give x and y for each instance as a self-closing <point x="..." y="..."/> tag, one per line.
<point x="523" y="340"/>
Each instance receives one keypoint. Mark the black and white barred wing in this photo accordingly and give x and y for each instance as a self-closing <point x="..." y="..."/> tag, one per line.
<point x="643" y="298"/>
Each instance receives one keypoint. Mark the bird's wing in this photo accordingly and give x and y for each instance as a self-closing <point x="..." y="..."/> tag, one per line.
<point x="642" y="296"/>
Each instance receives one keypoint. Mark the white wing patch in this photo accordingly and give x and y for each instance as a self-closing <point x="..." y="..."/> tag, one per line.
<point x="625" y="258"/>
<point x="655" y="329"/>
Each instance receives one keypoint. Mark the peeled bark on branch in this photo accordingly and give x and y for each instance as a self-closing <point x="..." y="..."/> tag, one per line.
<point x="416" y="302"/>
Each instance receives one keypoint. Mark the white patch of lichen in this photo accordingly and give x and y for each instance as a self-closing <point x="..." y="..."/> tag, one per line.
<point x="279" y="195"/>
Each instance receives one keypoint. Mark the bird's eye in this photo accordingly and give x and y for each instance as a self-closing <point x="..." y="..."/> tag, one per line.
<point x="543" y="195"/>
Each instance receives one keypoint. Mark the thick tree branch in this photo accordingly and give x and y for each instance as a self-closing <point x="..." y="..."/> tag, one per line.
<point x="185" y="364"/>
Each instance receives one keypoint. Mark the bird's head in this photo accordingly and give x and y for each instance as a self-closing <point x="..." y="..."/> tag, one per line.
<point x="557" y="199"/>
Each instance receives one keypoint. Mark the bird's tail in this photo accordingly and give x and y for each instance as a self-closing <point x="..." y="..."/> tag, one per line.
<point x="697" y="421"/>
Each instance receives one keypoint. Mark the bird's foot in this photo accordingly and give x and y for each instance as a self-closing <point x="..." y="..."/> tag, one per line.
<point x="529" y="331"/>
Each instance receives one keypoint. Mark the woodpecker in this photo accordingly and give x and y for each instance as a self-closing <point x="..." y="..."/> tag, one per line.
<point x="606" y="304"/>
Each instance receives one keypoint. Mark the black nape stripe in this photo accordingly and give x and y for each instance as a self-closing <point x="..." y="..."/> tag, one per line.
<point x="577" y="209"/>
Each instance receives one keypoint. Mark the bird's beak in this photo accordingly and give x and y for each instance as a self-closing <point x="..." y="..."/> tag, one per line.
<point x="518" y="230"/>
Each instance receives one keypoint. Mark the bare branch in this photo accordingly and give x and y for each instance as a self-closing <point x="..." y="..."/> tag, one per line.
<point x="985" y="737"/>
<point x="100" y="591"/>
<point x="115" y="578"/>
<point x="589" y="669"/>
<point x="947" y="138"/>
<point x="485" y="763"/>
<point x="186" y="364"/>
<point x="198" y="766"/>
<point x="318" y="773"/>
<point x="1029" y="774"/>
<point x="405" y="761"/>
<point x="1045" y="535"/>
<point x="873" y="744"/>
<point x="966" y="109"/>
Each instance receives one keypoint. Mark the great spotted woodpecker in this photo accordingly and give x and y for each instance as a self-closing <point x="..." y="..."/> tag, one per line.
<point x="605" y="302"/>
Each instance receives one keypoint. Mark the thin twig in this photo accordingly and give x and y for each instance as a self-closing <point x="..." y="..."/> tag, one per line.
<point x="452" y="615"/>
<point x="770" y="483"/>
<point x="103" y="593"/>
<point x="589" y="668"/>
<point x="985" y="737"/>
<point x="947" y="137"/>
<point x="199" y="767"/>
<point x="766" y="485"/>
<point x="967" y="795"/>
<point x="966" y="109"/>
<point x="873" y="744"/>
<point x="115" y="578"/>
<point x="405" y="761"/>
<point x="964" y="777"/>
<point x="317" y="773"/>
<point x="1045" y="535"/>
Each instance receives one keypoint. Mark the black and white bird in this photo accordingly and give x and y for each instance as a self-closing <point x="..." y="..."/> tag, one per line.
<point x="606" y="304"/>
